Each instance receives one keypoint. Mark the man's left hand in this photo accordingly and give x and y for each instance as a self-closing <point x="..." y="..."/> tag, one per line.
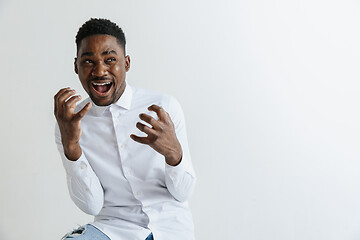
<point x="161" y="135"/>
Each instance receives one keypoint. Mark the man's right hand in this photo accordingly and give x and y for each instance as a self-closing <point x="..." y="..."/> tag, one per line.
<point x="69" y="122"/>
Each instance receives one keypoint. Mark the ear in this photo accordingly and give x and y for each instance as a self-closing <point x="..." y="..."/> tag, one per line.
<point x="76" y="67"/>
<point x="127" y="63"/>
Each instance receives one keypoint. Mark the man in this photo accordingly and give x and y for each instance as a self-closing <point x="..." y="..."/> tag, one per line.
<point x="124" y="149"/>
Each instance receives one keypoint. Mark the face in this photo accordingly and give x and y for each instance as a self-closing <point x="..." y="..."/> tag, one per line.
<point x="101" y="66"/>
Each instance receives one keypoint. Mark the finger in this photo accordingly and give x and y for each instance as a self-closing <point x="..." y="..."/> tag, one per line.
<point x="150" y="120"/>
<point x="60" y="92"/>
<point x="61" y="99"/>
<point x="149" y="131"/>
<point x="159" y="111"/>
<point x="66" y="95"/>
<point x="83" y="111"/>
<point x="56" y="96"/>
<point x="143" y="140"/>
<point x="73" y="100"/>
<point x="69" y="106"/>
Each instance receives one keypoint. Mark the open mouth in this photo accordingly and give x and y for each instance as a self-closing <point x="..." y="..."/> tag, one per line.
<point x="101" y="88"/>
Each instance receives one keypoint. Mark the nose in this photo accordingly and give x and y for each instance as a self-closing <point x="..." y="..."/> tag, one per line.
<point x="99" y="70"/>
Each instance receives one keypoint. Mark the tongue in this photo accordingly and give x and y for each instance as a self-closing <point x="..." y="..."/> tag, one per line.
<point x="102" y="88"/>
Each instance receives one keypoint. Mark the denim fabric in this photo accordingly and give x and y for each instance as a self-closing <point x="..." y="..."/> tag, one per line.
<point x="150" y="237"/>
<point x="85" y="233"/>
<point x="89" y="232"/>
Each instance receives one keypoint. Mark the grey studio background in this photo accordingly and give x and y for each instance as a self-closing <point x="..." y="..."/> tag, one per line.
<point x="270" y="91"/>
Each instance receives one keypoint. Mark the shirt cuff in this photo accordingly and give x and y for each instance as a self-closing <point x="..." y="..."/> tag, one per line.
<point x="175" y="171"/>
<point x="78" y="167"/>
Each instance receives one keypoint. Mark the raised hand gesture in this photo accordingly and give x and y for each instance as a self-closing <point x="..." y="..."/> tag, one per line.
<point x="69" y="122"/>
<point x="161" y="135"/>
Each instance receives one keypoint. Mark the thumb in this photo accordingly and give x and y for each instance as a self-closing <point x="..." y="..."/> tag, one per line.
<point x="83" y="111"/>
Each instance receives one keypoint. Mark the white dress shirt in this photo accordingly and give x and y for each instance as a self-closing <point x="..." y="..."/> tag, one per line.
<point x="126" y="185"/>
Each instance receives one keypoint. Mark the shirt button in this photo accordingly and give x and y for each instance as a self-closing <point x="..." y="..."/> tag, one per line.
<point x="83" y="166"/>
<point x="122" y="146"/>
<point x="138" y="193"/>
<point x="127" y="172"/>
<point x="87" y="189"/>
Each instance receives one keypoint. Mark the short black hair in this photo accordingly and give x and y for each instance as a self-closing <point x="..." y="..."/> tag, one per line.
<point x="96" y="26"/>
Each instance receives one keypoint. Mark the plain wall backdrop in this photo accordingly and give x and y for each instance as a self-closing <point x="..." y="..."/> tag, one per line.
<point x="270" y="91"/>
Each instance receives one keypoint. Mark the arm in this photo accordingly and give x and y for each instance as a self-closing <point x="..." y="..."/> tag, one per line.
<point x="84" y="186"/>
<point x="168" y="137"/>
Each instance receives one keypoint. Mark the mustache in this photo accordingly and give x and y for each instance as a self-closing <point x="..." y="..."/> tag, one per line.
<point x="100" y="78"/>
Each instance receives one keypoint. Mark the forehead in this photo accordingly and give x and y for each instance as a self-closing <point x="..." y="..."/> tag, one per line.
<point x="99" y="43"/>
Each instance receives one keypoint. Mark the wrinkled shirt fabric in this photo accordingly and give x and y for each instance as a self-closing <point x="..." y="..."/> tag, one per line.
<point x="126" y="185"/>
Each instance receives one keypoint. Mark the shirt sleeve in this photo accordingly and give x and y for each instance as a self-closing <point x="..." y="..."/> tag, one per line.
<point x="83" y="184"/>
<point x="180" y="179"/>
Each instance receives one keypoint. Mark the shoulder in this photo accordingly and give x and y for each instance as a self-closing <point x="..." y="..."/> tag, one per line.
<point x="142" y="96"/>
<point x="148" y="94"/>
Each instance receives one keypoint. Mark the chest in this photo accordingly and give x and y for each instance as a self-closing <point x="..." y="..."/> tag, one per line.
<point x="111" y="152"/>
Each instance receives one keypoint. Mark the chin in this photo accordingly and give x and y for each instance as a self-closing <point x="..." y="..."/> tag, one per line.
<point x="101" y="102"/>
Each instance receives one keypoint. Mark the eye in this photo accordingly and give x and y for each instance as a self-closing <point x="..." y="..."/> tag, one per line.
<point x="87" y="61"/>
<point x="112" y="59"/>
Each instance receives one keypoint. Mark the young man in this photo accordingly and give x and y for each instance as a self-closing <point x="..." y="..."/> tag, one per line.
<point x="124" y="149"/>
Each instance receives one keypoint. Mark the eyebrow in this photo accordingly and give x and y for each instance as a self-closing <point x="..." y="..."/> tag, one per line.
<point x="107" y="52"/>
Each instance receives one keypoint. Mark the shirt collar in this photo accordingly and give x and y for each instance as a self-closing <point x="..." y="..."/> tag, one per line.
<point x="124" y="102"/>
<point x="125" y="99"/>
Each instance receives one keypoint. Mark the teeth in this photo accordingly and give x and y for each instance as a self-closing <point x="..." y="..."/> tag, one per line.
<point x="101" y="84"/>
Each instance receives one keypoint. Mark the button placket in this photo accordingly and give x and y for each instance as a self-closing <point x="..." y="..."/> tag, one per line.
<point x="116" y="119"/>
<point x="82" y="166"/>
<point x="115" y="116"/>
<point x="122" y="149"/>
<point x="127" y="172"/>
